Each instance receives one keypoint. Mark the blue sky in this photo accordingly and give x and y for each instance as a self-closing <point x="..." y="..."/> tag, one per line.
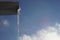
<point x="35" y="17"/>
<point x="38" y="14"/>
<point x="8" y="27"/>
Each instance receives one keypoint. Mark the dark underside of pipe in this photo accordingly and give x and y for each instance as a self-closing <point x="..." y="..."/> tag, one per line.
<point x="8" y="8"/>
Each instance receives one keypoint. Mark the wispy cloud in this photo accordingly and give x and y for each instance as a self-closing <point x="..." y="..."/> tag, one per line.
<point x="50" y="33"/>
<point x="5" y="23"/>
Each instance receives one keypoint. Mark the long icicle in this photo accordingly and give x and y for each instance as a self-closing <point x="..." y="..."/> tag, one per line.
<point x="18" y="21"/>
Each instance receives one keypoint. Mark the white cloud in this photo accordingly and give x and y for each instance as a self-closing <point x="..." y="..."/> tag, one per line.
<point x="5" y="23"/>
<point x="50" y="33"/>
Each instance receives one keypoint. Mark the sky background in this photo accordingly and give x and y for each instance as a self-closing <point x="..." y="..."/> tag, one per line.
<point x="38" y="14"/>
<point x="35" y="16"/>
<point x="8" y="27"/>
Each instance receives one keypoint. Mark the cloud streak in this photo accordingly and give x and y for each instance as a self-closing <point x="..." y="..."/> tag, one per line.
<point x="5" y="23"/>
<point x="50" y="33"/>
